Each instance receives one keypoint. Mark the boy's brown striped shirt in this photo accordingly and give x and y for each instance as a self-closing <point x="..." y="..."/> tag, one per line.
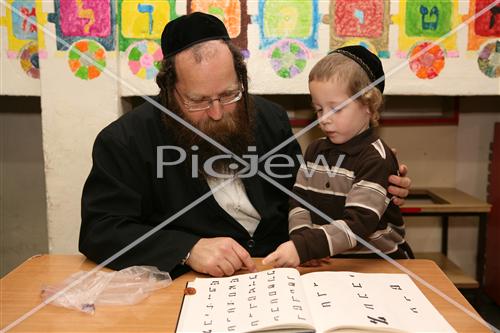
<point x="353" y="194"/>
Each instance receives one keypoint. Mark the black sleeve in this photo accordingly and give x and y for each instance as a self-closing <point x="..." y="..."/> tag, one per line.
<point x="292" y="149"/>
<point x="112" y="218"/>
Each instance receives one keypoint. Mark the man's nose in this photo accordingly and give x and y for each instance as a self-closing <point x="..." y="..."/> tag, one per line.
<point x="216" y="111"/>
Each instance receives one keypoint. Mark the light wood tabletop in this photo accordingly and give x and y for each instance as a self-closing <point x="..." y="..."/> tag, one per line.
<point x="443" y="200"/>
<point x="20" y="292"/>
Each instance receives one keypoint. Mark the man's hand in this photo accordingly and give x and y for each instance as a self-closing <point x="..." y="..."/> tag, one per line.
<point x="220" y="256"/>
<point x="402" y="185"/>
<point x="285" y="256"/>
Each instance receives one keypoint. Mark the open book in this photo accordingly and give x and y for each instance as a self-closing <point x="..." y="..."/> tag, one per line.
<point x="282" y="300"/>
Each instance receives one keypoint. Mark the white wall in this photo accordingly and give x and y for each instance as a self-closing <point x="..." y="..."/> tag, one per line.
<point x="73" y="112"/>
<point x="429" y="152"/>
<point x="475" y="134"/>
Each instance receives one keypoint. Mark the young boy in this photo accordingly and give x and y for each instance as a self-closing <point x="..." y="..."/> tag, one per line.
<point x="354" y="193"/>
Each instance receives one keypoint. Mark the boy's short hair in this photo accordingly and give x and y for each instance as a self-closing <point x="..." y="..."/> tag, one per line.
<point x="338" y="67"/>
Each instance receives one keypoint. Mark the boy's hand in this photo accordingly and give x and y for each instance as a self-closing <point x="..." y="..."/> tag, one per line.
<point x="316" y="262"/>
<point x="285" y="256"/>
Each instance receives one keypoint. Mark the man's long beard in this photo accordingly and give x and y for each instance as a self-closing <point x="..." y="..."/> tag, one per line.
<point x="235" y="132"/>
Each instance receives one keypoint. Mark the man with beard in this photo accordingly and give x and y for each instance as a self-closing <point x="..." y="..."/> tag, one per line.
<point x="148" y="166"/>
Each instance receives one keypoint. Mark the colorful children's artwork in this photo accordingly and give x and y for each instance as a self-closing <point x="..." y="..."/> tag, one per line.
<point x="81" y="18"/>
<point x="286" y="36"/>
<point x="287" y="31"/>
<point x="488" y="24"/>
<point x="428" y="18"/>
<point x="143" y="20"/>
<point x="29" y="60"/>
<point x="144" y="59"/>
<point x="288" y="58"/>
<point x="422" y="22"/>
<point x="24" y="20"/>
<point x="360" y="22"/>
<point x="89" y="19"/>
<point x="483" y="28"/>
<point x="232" y="12"/>
<point x="489" y="59"/>
<point x="483" y="34"/>
<point x="87" y="59"/>
<point x="23" y="35"/>
<point x="359" y="18"/>
<point x="228" y="12"/>
<point x="21" y="22"/>
<point x="293" y="19"/>
<point x="430" y="63"/>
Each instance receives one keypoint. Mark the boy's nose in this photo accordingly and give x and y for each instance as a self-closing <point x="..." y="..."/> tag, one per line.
<point x="326" y="119"/>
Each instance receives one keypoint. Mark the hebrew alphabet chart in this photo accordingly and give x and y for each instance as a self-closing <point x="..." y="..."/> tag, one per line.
<point x="246" y="302"/>
<point x="320" y="301"/>
<point x="377" y="301"/>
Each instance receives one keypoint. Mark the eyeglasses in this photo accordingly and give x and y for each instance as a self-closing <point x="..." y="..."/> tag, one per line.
<point x="226" y="98"/>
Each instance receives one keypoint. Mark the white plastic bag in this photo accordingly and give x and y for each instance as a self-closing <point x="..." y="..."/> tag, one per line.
<point x="128" y="286"/>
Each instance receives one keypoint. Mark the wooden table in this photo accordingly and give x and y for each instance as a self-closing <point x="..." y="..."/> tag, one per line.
<point x="20" y="292"/>
<point x="444" y="203"/>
